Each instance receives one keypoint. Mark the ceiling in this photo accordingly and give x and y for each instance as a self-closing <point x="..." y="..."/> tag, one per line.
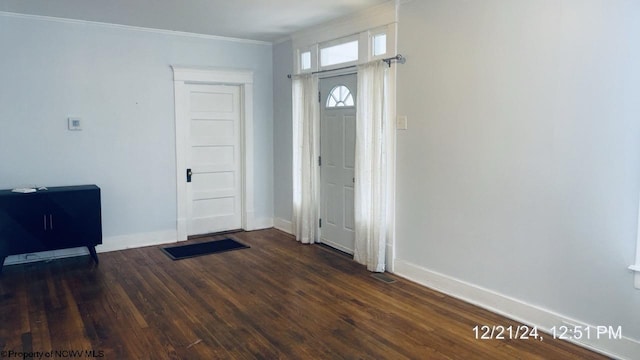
<point x="264" y="20"/>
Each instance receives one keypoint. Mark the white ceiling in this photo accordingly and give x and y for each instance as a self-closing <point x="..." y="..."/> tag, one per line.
<point x="265" y="20"/>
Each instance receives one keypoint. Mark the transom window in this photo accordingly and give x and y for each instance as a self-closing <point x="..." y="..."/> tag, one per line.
<point x="339" y="54"/>
<point x="323" y="51"/>
<point x="305" y="60"/>
<point x="379" y="44"/>
<point x="339" y="96"/>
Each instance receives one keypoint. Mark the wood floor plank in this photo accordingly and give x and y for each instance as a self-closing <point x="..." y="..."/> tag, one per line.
<point x="276" y="300"/>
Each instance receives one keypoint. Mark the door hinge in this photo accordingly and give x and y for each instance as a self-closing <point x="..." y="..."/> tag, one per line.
<point x="319" y="222"/>
<point x="319" y="97"/>
<point x="319" y="160"/>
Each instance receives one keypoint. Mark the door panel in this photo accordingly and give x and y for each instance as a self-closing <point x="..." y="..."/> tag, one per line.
<point x="349" y="221"/>
<point x="337" y="148"/>
<point x="214" y="194"/>
<point x="222" y="128"/>
<point x="349" y="142"/>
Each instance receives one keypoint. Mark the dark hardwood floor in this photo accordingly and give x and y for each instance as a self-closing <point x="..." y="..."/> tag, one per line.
<point x="278" y="299"/>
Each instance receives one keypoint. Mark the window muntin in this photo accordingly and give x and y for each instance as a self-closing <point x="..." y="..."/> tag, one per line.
<point x="339" y="54"/>
<point x="339" y="96"/>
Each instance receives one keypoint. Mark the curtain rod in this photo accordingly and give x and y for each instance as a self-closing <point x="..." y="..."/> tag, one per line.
<point x="398" y="59"/>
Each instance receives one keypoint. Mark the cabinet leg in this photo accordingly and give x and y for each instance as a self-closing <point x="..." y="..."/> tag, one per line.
<point x="94" y="255"/>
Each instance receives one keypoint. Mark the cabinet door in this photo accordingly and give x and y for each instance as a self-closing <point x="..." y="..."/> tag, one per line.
<point x="22" y="224"/>
<point x="75" y="218"/>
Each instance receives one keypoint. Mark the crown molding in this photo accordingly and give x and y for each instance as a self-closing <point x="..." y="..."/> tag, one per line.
<point x="132" y="28"/>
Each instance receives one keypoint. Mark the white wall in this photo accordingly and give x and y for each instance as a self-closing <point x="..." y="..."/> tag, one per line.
<point x="121" y="84"/>
<point x="520" y="171"/>
<point x="282" y="135"/>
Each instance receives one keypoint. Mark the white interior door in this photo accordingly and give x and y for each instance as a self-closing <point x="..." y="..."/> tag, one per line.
<point x="337" y="149"/>
<point x="213" y="159"/>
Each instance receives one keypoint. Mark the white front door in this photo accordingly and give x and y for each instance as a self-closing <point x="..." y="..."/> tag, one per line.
<point x="213" y="159"/>
<point x="337" y="151"/>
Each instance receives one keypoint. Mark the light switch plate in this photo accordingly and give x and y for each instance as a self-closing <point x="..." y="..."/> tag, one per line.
<point x="401" y="122"/>
<point x="75" y="123"/>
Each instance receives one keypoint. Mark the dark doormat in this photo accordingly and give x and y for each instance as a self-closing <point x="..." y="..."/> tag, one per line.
<point x="203" y="248"/>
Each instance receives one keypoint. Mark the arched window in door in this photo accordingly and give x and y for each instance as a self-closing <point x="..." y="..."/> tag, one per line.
<point x="339" y="96"/>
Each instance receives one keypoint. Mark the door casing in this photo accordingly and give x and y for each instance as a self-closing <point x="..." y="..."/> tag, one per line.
<point x="184" y="76"/>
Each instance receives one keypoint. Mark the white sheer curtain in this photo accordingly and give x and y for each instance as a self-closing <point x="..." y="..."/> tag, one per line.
<point x="305" y="156"/>
<point x="373" y="132"/>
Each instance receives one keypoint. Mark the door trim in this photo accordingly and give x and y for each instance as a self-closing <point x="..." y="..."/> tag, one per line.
<point x="183" y="76"/>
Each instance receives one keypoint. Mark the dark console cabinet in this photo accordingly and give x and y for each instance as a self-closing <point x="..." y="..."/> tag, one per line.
<point x="57" y="218"/>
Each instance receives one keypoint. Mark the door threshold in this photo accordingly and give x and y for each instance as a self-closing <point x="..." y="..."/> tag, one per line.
<point x="226" y="232"/>
<point x="334" y="250"/>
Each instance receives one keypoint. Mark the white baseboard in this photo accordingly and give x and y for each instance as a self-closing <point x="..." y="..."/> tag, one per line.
<point x="259" y="224"/>
<point x="111" y="243"/>
<point x="544" y="320"/>
<point x="252" y="223"/>
<point x="130" y="241"/>
<point x="283" y="225"/>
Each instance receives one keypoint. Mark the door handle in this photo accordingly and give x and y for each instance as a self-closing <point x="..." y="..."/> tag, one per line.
<point x="50" y="222"/>
<point x="44" y="217"/>
<point x="189" y="174"/>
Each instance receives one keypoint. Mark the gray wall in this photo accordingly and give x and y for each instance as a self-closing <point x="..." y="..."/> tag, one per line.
<point x="520" y="171"/>
<point x="282" y="131"/>
<point x="119" y="81"/>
